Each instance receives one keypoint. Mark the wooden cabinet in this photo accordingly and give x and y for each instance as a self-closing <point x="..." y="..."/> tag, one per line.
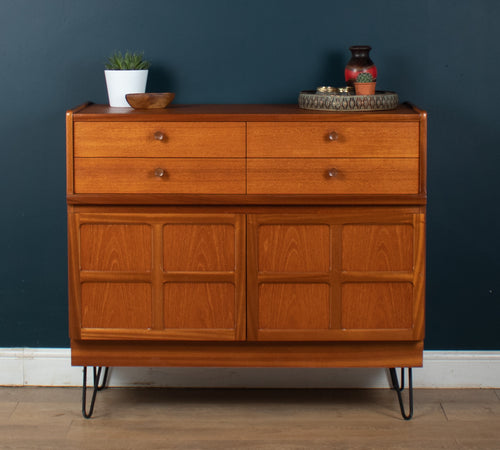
<point x="250" y="236"/>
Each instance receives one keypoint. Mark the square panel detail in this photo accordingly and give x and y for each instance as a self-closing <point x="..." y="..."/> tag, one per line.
<point x="298" y="306"/>
<point x="116" y="305"/>
<point x="377" y="305"/>
<point x="377" y="247"/>
<point x="199" y="247"/>
<point x="294" y="248"/>
<point x="195" y="305"/>
<point x="115" y="247"/>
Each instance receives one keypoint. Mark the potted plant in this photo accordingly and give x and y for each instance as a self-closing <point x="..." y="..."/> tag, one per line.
<point x="125" y="74"/>
<point x="365" y="84"/>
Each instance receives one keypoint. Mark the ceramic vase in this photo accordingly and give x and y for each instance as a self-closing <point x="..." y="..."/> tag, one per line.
<point x="360" y="62"/>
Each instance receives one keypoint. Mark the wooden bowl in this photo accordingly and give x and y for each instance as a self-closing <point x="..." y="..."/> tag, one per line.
<point x="150" y="101"/>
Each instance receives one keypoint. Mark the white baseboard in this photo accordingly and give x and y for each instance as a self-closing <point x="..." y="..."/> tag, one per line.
<point x="442" y="369"/>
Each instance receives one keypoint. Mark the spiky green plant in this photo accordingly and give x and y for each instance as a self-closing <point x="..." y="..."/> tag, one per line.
<point x="129" y="61"/>
<point x="364" y="77"/>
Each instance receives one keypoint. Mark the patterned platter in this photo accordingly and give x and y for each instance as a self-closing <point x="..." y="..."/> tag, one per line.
<point x="382" y="100"/>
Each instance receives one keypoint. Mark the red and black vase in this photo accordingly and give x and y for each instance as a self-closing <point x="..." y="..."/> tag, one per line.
<point x="360" y="62"/>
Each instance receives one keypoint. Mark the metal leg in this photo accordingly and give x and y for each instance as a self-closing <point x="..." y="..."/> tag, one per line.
<point x="104" y="379"/>
<point x="399" y="388"/>
<point x="97" y="376"/>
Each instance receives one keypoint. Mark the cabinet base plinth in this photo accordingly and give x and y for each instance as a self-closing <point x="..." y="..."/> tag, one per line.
<point x="237" y="354"/>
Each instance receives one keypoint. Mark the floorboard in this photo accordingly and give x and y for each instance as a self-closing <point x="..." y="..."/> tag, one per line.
<point x="50" y="418"/>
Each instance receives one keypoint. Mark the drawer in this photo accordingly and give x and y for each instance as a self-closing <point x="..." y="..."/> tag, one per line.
<point x="333" y="176"/>
<point x="160" y="139"/>
<point x="333" y="139"/>
<point x="159" y="176"/>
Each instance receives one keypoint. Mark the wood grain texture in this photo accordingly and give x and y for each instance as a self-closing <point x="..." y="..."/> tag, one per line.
<point x="241" y="113"/>
<point x="294" y="248"/>
<point x="176" y="140"/>
<point x="377" y="305"/>
<point x="291" y="306"/>
<point x="204" y="276"/>
<point x="247" y="354"/>
<point x="137" y="175"/>
<point x="336" y="335"/>
<point x="350" y="139"/>
<point x="156" y="277"/>
<point x="152" y="335"/>
<point x="74" y="298"/>
<point x="419" y="221"/>
<point x="199" y="305"/>
<point x="116" y="305"/>
<point x="374" y="281"/>
<point x="383" y="247"/>
<point x="115" y="247"/>
<point x="351" y="176"/>
<point x="193" y="263"/>
<point x="422" y="148"/>
<point x="199" y="247"/>
<point x="70" y="141"/>
<point x="69" y="153"/>
<point x="250" y="200"/>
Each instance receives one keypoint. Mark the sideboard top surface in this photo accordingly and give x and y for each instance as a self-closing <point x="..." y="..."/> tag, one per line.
<point x="234" y="113"/>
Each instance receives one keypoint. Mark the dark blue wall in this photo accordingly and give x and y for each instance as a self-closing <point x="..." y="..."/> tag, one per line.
<point x="436" y="54"/>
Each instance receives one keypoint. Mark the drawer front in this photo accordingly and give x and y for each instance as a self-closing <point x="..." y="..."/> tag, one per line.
<point x="160" y="139"/>
<point x="332" y="176"/>
<point x="159" y="176"/>
<point x="333" y="140"/>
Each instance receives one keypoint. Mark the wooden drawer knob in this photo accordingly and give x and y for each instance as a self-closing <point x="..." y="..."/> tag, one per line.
<point x="332" y="173"/>
<point x="159" y="172"/>
<point x="333" y="136"/>
<point x="159" y="136"/>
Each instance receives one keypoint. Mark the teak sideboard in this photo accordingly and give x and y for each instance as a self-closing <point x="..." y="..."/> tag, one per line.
<point x="246" y="236"/>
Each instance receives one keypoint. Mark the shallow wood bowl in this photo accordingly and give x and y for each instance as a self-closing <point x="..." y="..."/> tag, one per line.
<point x="150" y="101"/>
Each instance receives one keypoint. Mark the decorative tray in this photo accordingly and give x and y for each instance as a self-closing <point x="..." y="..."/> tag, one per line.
<point x="382" y="100"/>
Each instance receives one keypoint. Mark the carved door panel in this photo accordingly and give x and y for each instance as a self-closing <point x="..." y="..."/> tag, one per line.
<point x="204" y="276"/>
<point x="347" y="274"/>
<point x="157" y="276"/>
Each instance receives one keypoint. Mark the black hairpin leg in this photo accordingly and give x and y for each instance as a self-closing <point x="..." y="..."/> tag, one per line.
<point x="97" y="376"/>
<point x="399" y="388"/>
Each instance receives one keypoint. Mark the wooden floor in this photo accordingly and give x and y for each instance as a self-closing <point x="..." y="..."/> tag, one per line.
<point x="50" y="418"/>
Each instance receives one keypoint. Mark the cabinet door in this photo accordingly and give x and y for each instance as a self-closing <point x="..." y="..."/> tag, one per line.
<point x="346" y="274"/>
<point x="157" y="276"/>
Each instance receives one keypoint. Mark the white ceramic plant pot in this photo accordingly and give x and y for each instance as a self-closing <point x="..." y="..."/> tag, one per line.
<point x="122" y="82"/>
